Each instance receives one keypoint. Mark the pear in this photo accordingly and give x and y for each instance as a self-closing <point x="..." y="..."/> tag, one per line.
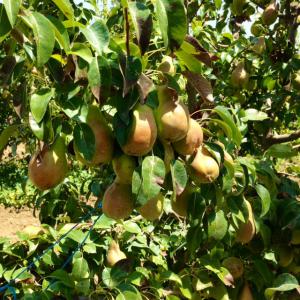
<point x="114" y="254"/>
<point x="239" y="76"/>
<point x="103" y="138"/>
<point x="257" y="29"/>
<point x="246" y="231"/>
<point x="118" y="201"/>
<point x="143" y="132"/>
<point x="167" y="66"/>
<point x="153" y="209"/>
<point x="192" y="140"/>
<point x="204" y="168"/>
<point x="285" y="256"/>
<point x="296" y="81"/>
<point x="48" y="167"/>
<point x="124" y="166"/>
<point x="246" y="293"/>
<point x="235" y="266"/>
<point x="260" y="46"/>
<point x="172" y="116"/>
<point x="180" y="206"/>
<point x="270" y="14"/>
<point x="227" y="157"/>
<point x="295" y="237"/>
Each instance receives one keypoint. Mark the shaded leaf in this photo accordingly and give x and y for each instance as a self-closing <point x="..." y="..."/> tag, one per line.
<point x="281" y="151"/>
<point x="6" y="134"/>
<point x="265" y="197"/>
<point x="12" y="9"/>
<point x="5" y="27"/>
<point x="66" y="8"/>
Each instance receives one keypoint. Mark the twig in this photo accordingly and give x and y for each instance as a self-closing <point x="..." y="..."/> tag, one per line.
<point x="282" y="138"/>
<point x="127" y="29"/>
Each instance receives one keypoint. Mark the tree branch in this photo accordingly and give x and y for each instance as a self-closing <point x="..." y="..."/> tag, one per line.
<point x="282" y="138"/>
<point x="127" y="29"/>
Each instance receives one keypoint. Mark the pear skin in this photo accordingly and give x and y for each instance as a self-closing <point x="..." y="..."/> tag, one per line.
<point x="48" y="167"/>
<point x="270" y="14"/>
<point x="143" y="132"/>
<point x="124" y="166"/>
<point x="239" y="76"/>
<point x="180" y="206"/>
<point x="118" y="201"/>
<point x="296" y="81"/>
<point x="246" y="293"/>
<point x="260" y="46"/>
<point x="235" y="266"/>
<point x="192" y="140"/>
<point x="153" y="209"/>
<point x="114" y="254"/>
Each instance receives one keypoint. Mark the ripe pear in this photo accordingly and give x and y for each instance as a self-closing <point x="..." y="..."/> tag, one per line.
<point x="240" y="76"/>
<point x="114" y="254"/>
<point x="143" y="132"/>
<point x="167" y="66"/>
<point x="270" y="13"/>
<point x="172" y="116"/>
<point x="48" y="167"/>
<point x="204" y="168"/>
<point x="180" y="206"/>
<point x="153" y="209"/>
<point x="296" y="81"/>
<point x="260" y="46"/>
<point x="235" y="266"/>
<point x="246" y="231"/>
<point x="192" y="140"/>
<point x="118" y="201"/>
<point x="103" y="138"/>
<point x="246" y="293"/>
<point x="124" y="166"/>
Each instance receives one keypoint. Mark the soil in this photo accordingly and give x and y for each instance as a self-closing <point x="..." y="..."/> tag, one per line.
<point x="13" y="221"/>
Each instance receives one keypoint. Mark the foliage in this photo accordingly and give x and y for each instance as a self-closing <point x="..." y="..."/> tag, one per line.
<point x="59" y="59"/>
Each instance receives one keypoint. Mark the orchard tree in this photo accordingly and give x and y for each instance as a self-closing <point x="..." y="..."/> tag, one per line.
<point x="183" y="109"/>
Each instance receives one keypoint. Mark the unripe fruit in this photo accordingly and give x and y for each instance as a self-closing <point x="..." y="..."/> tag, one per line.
<point x="118" y="201"/>
<point x="124" y="166"/>
<point x="296" y="81"/>
<point x="104" y="143"/>
<point x="260" y="46"/>
<point x="204" y="168"/>
<point x="180" y="206"/>
<point x="172" y="116"/>
<point x="143" y="132"/>
<point x="246" y="293"/>
<point x="295" y="237"/>
<point x="285" y="256"/>
<point x="49" y="167"/>
<point x="257" y="29"/>
<point x="246" y="231"/>
<point x="114" y="254"/>
<point x="153" y="209"/>
<point x="167" y="66"/>
<point x="235" y="266"/>
<point x="270" y="13"/>
<point x="240" y="76"/>
<point x="191" y="141"/>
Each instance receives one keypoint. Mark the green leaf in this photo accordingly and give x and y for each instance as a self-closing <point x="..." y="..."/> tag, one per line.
<point x="66" y="8"/>
<point x="283" y="283"/>
<point x="6" y="134"/>
<point x="43" y="34"/>
<point x="281" y="151"/>
<point x="97" y="35"/>
<point x="61" y="33"/>
<point x="189" y="61"/>
<point x="43" y="130"/>
<point x="179" y="176"/>
<point x="82" y="51"/>
<point x="264" y="195"/>
<point x="5" y="27"/>
<point x="170" y="276"/>
<point x="217" y="225"/>
<point x="228" y="119"/>
<point x="142" y="22"/>
<point x="12" y="9"/>
<point x="128" y="292"/>
<point x="252" y="114"/>
<point x="39" y="103"/>
<point x="84" y="140"/>
<point x="132" y="227"/>
<point x="172" y="20"/>
<point x="80" y="269"/>
<point x="64" y="277"/>
<point x="224" y="126"/>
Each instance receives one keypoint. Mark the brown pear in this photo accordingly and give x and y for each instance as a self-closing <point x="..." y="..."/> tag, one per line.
<point x="240" y="76"/>
<point x="118" y="201"/>
<point x="270" y="13"/>
<point x="104" y="141"/>
<point x="114" y="254"/>
<point x="235" y="266"/>
<point x="204" y="168"/>
<point x="246" y="231"/>
<point x="143" y="132"/>
<point x="153" y="209"/>
<point x="192" y="140"/>
<point x="246" y="293"/>
<point x="172" y="115"/>
<point x="124" y="166"/>
<point x="48" y="167"/>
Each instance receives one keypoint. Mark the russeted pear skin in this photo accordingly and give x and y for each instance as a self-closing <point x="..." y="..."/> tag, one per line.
<point x="153" y="209"/>
<point x="270" y="13"/>
<point x="124" y="166"/>
<point x="192" y="140"/>
<point x="240" y="76"/>
<point x="235" y="266"/>
<point x="118" y="201"/>
<point x="172" y="116"/>
<point x="48" y="167"/>
<point x="204" y="168"/>
<point x="246" y="293"/>
<point x="143" y="132"/>
<point x="246" y="231"/>
<point x="114" y="254"/>
<point x="103" y="138"/>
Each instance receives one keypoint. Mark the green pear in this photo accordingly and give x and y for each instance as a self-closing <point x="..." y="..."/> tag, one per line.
<point x="114" y="254"/>
<point x="153" y="209"/>
<point x="48" y="167"/>
<point x="260" y="46"/>
<point x="235" y="266"/>
<point x="124" y="166"/>
<point x="240" y="76"/>
<point x="296" y="80"/>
